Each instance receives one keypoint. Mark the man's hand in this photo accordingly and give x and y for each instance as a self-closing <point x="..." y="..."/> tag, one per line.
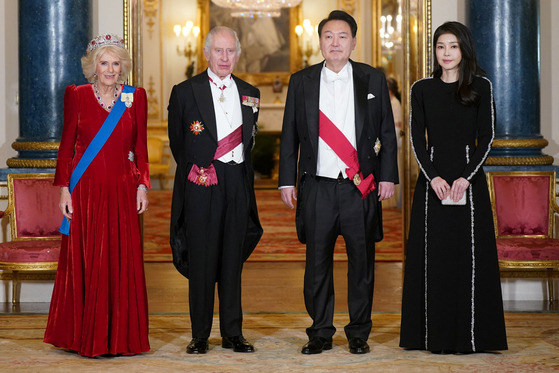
<point x="288" y="194"/>
<point x="385" y="190"/>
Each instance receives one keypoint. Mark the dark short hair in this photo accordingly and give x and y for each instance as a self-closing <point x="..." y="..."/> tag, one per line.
<point x="339" y="15"/>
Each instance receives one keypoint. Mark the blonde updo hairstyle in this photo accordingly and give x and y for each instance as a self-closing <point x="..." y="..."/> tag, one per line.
<point x="90" y="60"/>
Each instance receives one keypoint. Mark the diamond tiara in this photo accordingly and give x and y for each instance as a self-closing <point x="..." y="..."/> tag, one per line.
<point x="104" y="40"/>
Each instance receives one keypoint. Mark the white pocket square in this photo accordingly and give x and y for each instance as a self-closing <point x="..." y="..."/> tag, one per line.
<point x="254" y="109"/>
<point x="370" y="96"/>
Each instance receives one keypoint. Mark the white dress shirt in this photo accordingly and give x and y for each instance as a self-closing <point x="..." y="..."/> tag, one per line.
<point x="228" y="113"/>
<point x="337" y="103"/>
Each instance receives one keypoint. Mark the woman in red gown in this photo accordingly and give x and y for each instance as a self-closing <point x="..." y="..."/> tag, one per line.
<point x="99" y="302"/>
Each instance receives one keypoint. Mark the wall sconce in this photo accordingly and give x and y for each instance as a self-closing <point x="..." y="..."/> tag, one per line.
<point x="307" y="36"/>
<point x="190" y="34"/>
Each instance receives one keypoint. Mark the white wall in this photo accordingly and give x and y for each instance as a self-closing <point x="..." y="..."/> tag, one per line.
<point x="107" y="17"/>
<point x="549" y="9"/>
<point x="9" y="116"/>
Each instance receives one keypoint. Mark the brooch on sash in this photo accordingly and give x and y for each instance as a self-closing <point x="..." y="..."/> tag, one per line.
<point x="203" y="176"/>
<point x="377" y="147"/>
<point x="253" y="102"/>
<point x="356" y="179"/>
<point x="127" y="98"/>
<point x="196" y="127"/>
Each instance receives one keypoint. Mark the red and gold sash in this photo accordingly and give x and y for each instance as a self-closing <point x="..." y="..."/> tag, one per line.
<point x="336" y="140"/>
<point x="207" y="176"/>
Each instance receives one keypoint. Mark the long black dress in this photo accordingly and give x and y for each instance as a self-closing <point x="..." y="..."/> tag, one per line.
<point x="452" y="293"/>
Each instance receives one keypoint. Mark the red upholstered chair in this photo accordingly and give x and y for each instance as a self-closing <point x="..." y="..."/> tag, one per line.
<point x="524" y="207"/>
<point x="34" y="219"/>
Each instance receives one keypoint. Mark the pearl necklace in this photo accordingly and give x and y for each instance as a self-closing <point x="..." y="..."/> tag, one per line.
<point x="98" y="96"/>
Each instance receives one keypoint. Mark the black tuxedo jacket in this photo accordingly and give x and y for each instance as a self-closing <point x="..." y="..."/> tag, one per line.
<point x="373" y="120"/>
<point x="191" y="101"/>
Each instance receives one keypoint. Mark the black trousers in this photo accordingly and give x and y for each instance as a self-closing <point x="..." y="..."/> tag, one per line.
<point x="332" y="208"/>
<point x="217" y="219"/>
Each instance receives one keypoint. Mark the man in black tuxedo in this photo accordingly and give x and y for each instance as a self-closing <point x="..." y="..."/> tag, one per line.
<point x="214" y="220"/>
<point x="338" y="156"/>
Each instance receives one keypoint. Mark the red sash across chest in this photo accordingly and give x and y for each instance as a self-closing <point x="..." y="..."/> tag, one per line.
<point x="336" y="140"/>
<point x="207" y="176"/>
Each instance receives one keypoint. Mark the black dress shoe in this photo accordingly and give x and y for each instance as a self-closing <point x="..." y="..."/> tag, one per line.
<point x="316" y="345"/>
<point x="238" y="344"/>
<point x="197" y="346"/>
<point x="358" y="346"/>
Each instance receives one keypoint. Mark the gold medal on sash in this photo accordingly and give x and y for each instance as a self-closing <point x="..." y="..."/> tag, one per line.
<point x="356" y="179"/>
<point x="202" y="177"/>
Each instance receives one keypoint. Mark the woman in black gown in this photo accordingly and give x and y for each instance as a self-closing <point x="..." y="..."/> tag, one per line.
<point x="452" y="299"/>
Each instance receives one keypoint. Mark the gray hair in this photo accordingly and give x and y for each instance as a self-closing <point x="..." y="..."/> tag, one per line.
<point x="221" y="29"/>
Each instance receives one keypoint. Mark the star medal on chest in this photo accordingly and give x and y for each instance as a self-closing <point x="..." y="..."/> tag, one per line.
<point x="127" y="98"/>
<point x="377" y="146"/>
<point x="196" y="127"/>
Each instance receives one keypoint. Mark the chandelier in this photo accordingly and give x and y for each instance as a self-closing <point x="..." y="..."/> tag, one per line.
<point x="391" y="35"/>
<point x="256" y="8"/>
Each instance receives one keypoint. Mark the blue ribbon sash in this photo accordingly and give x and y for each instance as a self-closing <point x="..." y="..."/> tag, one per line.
<point x="95" y="146"/>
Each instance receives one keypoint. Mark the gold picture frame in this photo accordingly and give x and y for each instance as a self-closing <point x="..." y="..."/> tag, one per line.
<point x="257" y="78"/>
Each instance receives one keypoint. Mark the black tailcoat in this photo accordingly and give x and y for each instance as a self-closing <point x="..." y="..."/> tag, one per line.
<point x="373" y="120"/>
<point x="192" y="101"/>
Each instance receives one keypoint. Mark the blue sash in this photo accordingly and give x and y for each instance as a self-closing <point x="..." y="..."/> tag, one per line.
<point x="94" y="147"/>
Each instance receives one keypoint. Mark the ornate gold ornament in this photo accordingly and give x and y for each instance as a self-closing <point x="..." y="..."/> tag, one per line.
<point x="348" y="6"/>
<point x="520" y="143"/>
<point x="31" y="163"/>
<point x="35" y="145"/>
<point x="519" y="161"/>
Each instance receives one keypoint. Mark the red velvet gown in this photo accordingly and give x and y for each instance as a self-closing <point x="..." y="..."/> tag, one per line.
<point x="99" y="302"/>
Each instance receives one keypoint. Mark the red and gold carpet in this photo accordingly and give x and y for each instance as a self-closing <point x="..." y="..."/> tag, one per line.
<point x="279" y="242"/>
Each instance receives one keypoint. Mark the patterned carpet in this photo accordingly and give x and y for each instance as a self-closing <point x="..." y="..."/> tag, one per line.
<point x="533" y="347"/>
<point x="279" y="242"/>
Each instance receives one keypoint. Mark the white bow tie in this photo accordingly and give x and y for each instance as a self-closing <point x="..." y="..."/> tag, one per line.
<point x="332" y="76"/>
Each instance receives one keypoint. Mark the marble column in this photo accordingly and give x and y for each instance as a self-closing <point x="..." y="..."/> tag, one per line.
<point x="53" y="36"/>
<point x="506" y="34"/>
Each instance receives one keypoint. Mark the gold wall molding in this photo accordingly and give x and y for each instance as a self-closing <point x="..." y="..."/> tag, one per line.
<point x="519" y="161"/>
<point x="153" y="102"/>
<point x="348" y="6"/>
<point x="151" y="7"/>
<point x="520" y="143"/>
<point x="31" y="163"/>
<point x="35" y="145"/>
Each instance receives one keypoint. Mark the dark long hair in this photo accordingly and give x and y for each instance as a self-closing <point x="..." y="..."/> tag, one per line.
<point x="468" y="67"/>
<point x="394" y="88"/>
